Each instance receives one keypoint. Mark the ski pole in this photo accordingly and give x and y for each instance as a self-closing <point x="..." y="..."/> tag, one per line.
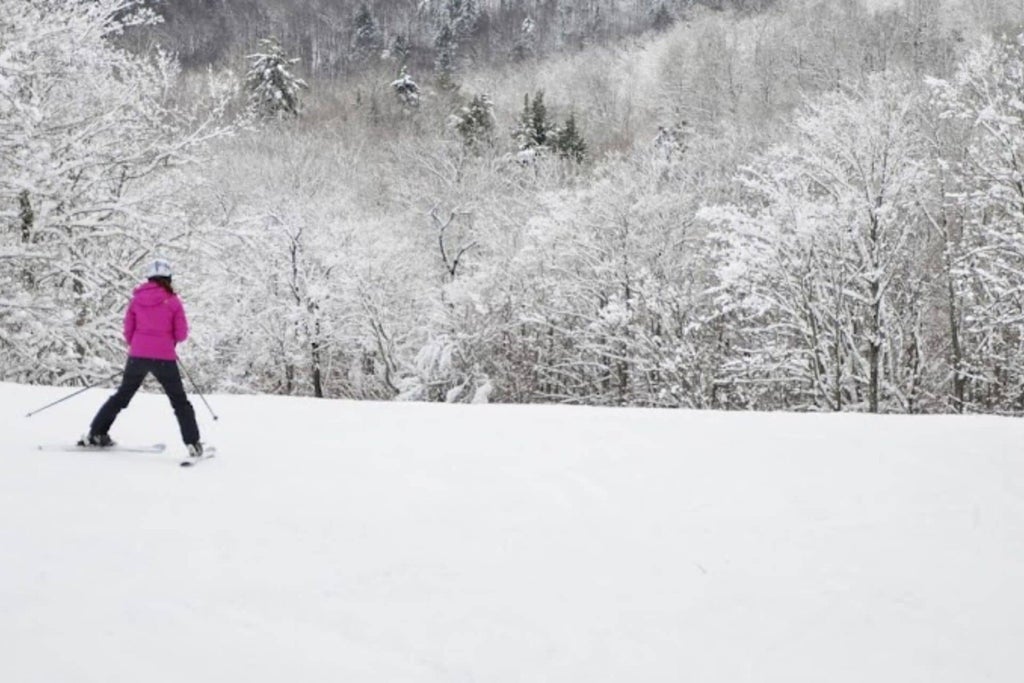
<point x="61" y="400"/>
<point x="199" y="393"/>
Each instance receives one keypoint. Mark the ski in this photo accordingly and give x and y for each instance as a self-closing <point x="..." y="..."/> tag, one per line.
<point x="208" y="452"/>
<point x="116" y="448"/>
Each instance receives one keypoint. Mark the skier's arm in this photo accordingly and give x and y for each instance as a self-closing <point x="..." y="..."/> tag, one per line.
<point x="180" y="324"/>
<point x="129" y="322"/>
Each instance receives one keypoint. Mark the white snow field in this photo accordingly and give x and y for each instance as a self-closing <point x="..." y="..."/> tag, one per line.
<point x="358" y="542"/>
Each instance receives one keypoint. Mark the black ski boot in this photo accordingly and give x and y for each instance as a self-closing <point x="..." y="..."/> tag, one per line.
<point x="96" y="441"/>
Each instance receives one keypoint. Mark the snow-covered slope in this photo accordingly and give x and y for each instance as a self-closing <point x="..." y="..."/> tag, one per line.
<point x="382" y="542"/>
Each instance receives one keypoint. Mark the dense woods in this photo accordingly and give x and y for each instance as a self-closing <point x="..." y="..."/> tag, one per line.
<point x="336" y="38"/>
<point x="800" y="204"/>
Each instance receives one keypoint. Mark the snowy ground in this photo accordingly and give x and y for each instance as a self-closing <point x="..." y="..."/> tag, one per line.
<point x="351" y="542"/>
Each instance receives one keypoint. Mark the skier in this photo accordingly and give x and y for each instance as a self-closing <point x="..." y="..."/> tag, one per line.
<point x="153" y="325"/>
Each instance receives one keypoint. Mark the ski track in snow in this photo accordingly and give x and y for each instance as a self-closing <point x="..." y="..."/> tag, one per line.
<point x="345" y="541"/>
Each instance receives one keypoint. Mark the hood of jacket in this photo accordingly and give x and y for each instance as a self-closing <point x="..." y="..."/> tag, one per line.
<point x="150" y="294"/>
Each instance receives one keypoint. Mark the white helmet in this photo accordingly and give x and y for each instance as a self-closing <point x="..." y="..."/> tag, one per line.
<point x="159" y="268"/>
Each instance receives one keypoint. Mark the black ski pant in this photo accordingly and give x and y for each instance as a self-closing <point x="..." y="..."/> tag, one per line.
<point x="166" y="372"/>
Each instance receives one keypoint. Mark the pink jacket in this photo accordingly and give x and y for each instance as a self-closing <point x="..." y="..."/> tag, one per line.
<point x="154" y="323"/>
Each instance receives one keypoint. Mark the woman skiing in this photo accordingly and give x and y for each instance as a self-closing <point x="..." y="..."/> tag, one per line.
<point x="153" y="325"/>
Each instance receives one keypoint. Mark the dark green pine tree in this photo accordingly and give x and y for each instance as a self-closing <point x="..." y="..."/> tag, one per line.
<point x="445" y="47"/>
<point x="463" y="16"/>
<point x="533" y="130"/>
<point x="366" y="38"/>
<point x="405" y="89"/>
<point x="400" y="49"/>
<point x="568" y="141"/>
<point x="662" y="19"/>
<point x="475" y="122"/>
<point x="525" y="45"/>
<point x="272" y="88"/>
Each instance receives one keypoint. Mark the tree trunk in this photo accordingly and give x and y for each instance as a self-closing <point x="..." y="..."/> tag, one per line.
<point x="875" y="337"/>
<point x="318" y="387"/>
<point x="874" y="351"/>
<point x="27" y="216"/>
<point x="316" y="358"/>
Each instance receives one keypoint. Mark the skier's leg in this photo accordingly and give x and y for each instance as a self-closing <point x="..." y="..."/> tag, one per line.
<point x="166" y="372"/>
<point x="134" y="372"/>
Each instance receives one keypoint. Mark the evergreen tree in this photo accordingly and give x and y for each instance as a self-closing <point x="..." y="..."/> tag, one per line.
<point x="445" y="53"/>
<point x="366" y="37"/>
<point x="533" y="130"/>
<point x="568" y="141"/>
<point x="670" y="143"/>
<point x="406" y="89"/>
<point x="400" y="49"/>
<point x="662" y="19"/>
<point x="273" y="89"/>
<point x="463" y="16"/>
<point x="525" y="45"/>
<point x="475" y="122"/>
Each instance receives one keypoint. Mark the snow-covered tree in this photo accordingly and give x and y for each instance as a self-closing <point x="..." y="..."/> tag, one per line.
<point x="525" y="45"/>
<point x="825" y="260"/>
<point x="463" y="16"/>
<point x="533" y="130"/>
<point x="661" y="18"/>
<point x="298" y="297"/>
<point x="608" y="285"/>
<point x="446" y="57"/>
<point x="977" y="176"/>
<point x="406" y="89"/>
<point x="569" y="142"/>
<point x="399" y="50"/>
<point x="272" y="87"/>
<point x="475" y="122"/>
<point x="367" y="41"/>
<point x="92" y="142"/>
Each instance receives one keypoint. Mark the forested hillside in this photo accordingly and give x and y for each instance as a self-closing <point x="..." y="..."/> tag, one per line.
<point x="336" y="37"/>
<point x="805" y="204"/>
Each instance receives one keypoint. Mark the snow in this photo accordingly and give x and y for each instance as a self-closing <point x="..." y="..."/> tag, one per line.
<point x="391" y="542"/>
